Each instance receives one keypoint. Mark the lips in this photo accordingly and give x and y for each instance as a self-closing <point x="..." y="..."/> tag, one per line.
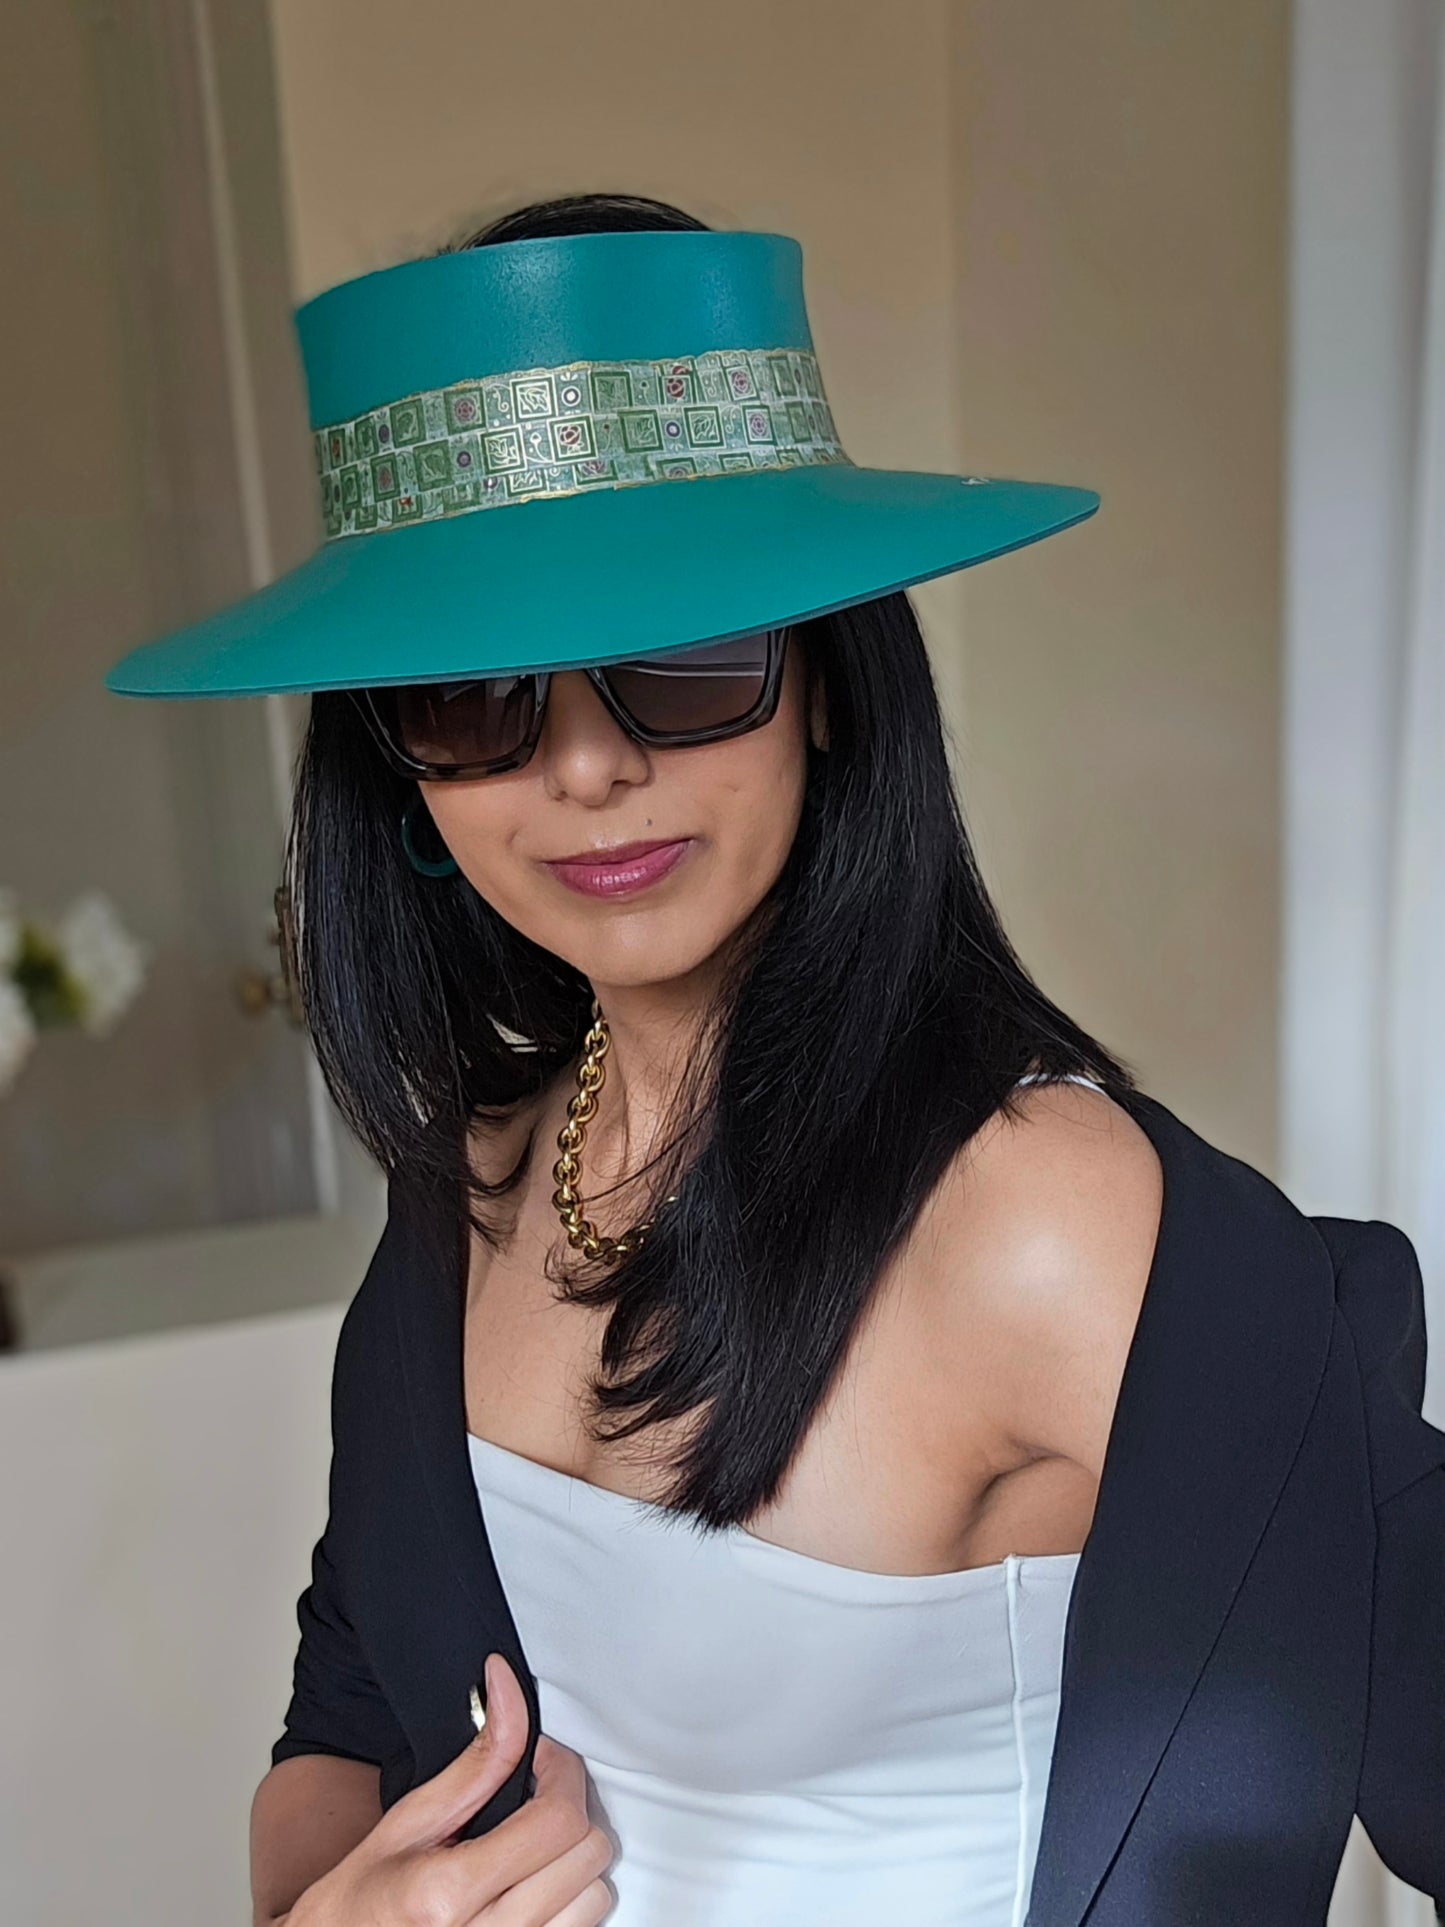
<point x="610" y="874"/>
<point x="614" y="853"/>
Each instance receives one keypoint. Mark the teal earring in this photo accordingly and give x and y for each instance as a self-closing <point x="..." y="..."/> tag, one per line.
<point x="426" y="866"/>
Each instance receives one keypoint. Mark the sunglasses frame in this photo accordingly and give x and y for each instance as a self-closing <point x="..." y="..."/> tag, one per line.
<point x="761" y="711"/>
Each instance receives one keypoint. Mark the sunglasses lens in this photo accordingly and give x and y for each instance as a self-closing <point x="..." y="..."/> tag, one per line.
<point x="481" y="720"/>
<point x="452" y="724"/>
<point x="693" y="689"/>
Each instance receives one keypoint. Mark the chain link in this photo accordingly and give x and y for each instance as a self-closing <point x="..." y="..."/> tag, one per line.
<point x="582" y="1234"/>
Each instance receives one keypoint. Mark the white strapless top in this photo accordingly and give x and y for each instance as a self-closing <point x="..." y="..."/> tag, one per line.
<point x="772" y="1740"/>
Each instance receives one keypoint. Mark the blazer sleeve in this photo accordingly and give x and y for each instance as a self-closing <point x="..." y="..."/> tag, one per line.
<point x="1401" y="1794"/>
<point x="336" y="1704"/>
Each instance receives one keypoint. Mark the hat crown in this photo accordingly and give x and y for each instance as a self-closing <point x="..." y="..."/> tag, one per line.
<point x="550" y="302"/>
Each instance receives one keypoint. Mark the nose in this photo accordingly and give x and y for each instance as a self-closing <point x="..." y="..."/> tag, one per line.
<point x="583" y="750"/>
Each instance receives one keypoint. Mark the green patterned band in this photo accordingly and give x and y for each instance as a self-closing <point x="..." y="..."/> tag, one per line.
<point x="562" y="431"/>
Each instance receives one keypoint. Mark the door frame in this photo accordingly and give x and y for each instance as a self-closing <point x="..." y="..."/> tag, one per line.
<point x="224" y="461"/>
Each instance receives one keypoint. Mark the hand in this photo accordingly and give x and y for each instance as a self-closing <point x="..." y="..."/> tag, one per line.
<point x="540" y="1867"/>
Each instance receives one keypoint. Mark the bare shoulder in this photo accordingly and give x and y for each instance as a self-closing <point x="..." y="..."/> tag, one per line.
<point x="1044" y="1247"/>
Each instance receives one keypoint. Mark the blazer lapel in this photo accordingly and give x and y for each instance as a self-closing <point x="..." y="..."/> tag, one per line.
<point x="430" y="1309"/>
<point x="1228" y="1356"/>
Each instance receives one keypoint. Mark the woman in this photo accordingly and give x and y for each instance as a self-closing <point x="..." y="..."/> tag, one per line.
<point x="887" y="1462"/>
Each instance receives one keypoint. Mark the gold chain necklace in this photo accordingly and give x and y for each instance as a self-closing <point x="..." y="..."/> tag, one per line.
<point x="582" y="1234"/>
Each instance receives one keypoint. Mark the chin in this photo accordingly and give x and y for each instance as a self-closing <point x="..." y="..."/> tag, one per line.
<point x="644" y="957"/>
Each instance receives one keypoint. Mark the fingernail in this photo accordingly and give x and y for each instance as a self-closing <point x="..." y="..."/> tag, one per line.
<point x="480" y="1695"/>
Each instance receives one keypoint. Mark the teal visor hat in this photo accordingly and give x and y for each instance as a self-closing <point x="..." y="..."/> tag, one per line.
<point x="574" y="450"/>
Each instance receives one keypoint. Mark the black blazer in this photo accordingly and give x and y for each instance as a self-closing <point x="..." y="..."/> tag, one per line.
<point x="1255" y="1646"/>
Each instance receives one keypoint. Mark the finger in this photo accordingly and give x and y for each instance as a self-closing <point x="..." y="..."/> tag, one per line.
<point x="551" y="1825"/>
<point x="591" y="1907"/>
<point x="429" y="1813"/>
<point x="568" y="1892"/>
<point x="558" y="1769"/>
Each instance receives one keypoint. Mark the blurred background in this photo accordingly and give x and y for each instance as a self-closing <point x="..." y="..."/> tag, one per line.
<point x="1188" y="252"/>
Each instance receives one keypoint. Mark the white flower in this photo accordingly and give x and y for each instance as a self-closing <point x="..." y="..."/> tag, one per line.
<point x="17" y="1031"/>
<point x="106" y="962"/>
<point x="9" y="931"/>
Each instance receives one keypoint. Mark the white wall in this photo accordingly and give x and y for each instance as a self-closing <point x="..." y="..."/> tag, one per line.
<point x="1362" y="140"/>
<point x="159" y="1502"/>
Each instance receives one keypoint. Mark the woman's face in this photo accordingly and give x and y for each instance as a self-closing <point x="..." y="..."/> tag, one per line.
<point x="588" y="788"/>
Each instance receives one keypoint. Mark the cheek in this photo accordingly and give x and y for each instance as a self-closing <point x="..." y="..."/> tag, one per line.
<point x="755" y="805"/>
<point x="480" y="830"/>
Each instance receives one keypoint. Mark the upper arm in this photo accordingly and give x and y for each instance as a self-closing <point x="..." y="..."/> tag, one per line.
<point x="305" y="1819"/>
<point x="1057" y="1218"/>
<point x="337" y="1705"/>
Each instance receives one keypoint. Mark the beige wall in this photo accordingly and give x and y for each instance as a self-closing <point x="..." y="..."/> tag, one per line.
<point x="1120" y="224"/>
<point x="1038" y="242"/>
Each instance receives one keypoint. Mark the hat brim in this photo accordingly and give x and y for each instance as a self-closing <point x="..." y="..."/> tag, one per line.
<point x="561" y="582"/>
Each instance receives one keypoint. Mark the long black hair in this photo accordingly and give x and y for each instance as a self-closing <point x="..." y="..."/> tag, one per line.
<point x="869" y="1023"/>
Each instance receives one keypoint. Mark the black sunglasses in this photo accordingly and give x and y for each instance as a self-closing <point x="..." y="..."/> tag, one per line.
<point x="483" y="725"/>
